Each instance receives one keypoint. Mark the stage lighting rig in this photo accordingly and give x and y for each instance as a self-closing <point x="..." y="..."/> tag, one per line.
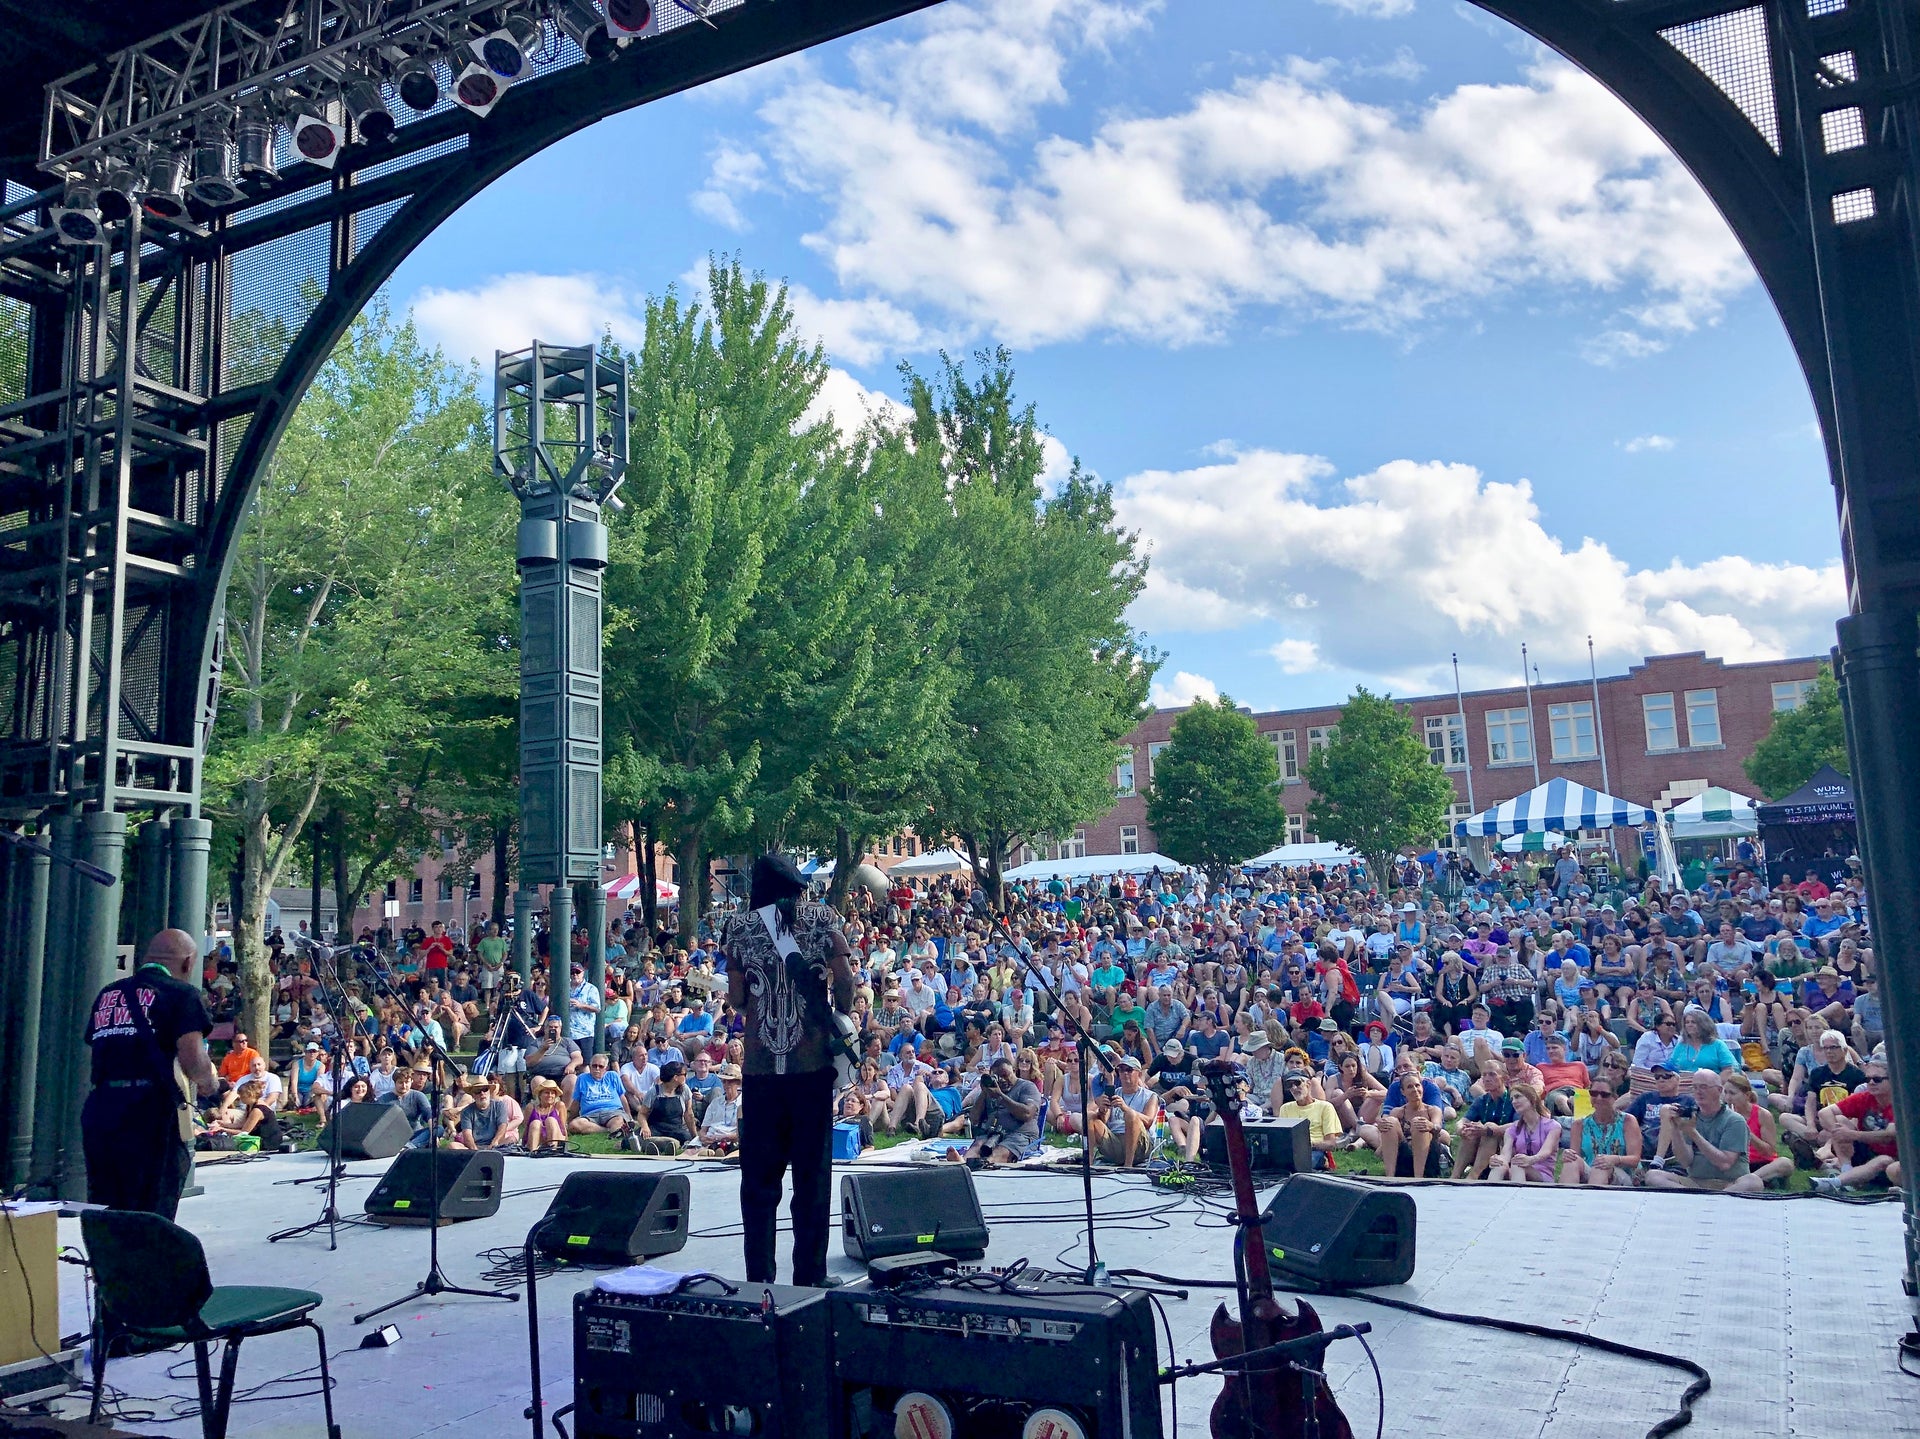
<point x="317" y="140"/>
<point x="508" y="51"/>
<point x="372" y="121"/>
<point x="255" y="138"/>
<point x="119" y="186"/>
<point x="163" y="193"/>
<point x="631" y="20"/>
<point x="214" y="184"/>
<point x="478" y="89"/>
<point x="581" y="23"/>
<point x="76" y="219"/>
<point x="418" y="83"/>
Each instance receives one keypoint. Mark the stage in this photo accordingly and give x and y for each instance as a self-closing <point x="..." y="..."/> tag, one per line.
<point x="1793" y="1305"/>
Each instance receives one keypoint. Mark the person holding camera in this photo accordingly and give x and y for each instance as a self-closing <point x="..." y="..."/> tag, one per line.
<point x="1006" y="1116"/>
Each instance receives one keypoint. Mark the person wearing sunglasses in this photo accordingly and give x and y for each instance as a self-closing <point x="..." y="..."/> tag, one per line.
<point x="1860" y="1129"/>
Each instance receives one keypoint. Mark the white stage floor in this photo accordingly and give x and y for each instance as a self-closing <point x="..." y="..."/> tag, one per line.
<point x="1793" y="1305"/>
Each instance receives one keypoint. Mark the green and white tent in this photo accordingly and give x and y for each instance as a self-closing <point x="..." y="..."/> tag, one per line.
<point x="1714" y="813"/>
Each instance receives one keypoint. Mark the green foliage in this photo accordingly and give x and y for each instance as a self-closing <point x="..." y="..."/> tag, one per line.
<point x="1375" y="788"/>
<point x="1049" y="674"/>
<point x="13" y="349"/>
<point x="1800" y="741"/>
<point x="369" y="601"/>
<point x="1215" y="797"/>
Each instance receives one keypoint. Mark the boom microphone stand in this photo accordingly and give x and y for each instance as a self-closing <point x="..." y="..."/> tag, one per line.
<point x="1095" y="1272"/>
<point x="436" y="1282"/>
<point x="330" y="1212"/>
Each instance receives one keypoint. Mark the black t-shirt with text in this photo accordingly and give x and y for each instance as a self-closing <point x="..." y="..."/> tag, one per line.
<point x="1831" y="1086"/>
<point x="138" y="1021"/>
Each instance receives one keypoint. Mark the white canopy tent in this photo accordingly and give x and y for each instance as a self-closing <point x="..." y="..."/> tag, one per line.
<point x="1558" y="804"/>
<point x="628" y="887"/>
<point x="1714" y="813"/>
<point x="1090" y="865"/>
<point x="934" y="861"/>
<point x="1290" y="856"/>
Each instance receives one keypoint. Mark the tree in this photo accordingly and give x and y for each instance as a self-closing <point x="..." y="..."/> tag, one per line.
<point x="1215" y="797"/>
<point x="1800" y="741"/>
<point x="1376" y="790"/>
<point x="364" y="601"/>
<point x="1050" y="676"/>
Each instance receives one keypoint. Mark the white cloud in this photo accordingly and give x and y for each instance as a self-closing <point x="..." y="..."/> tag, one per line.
<point x="850" y="404"/>
<point x="1371" y="9"/>
<point x="860" y="332"/>
<point x="1184" y="689"/>
<point x="1404" y="65"/>
<point x="1296" y="657"/>
<point x="734" y="173"/>
<point x="1389" y="572"/>
<point x="1276" y="193"/>
<point x="1640" y="444"/>
<point x="509" y="312"/>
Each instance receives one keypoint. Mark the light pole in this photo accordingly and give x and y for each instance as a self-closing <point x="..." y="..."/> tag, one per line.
<point x="560" y="441"/>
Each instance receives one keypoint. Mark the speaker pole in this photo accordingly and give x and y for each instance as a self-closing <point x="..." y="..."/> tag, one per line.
<point x="436" y="1282"/>
<point x="329" y="975"/>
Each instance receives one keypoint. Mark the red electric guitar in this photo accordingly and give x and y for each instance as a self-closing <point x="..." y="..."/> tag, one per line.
<point x="1270" y="1400"/>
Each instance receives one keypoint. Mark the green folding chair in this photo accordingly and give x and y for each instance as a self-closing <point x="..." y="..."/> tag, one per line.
<point x="151" y="1284"/>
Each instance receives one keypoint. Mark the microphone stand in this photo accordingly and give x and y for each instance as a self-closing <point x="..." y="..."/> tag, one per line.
<point x="436" y="1282"/>
<point x="1095" y="1273"/>
<point x="330" y="1212"/>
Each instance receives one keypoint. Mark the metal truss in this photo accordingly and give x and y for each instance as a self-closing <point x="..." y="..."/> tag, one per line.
<point x="126" y="466"/>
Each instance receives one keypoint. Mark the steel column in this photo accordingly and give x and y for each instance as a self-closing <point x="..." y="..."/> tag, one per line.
<point x="26" y="956"/>
<point x="526" y="900"/>
<point x="596" y="922"/>
<point x="152" y="863"/>
<point x="56" y="1076"/>
<point x="187" y="893"/>
<point x="96" y="907"/>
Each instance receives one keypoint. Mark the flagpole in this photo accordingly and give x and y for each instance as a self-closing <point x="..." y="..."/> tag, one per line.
<point x="1533" y="738"/>
<point x="1599" y="732"/>
<point x="1460" y="705"/>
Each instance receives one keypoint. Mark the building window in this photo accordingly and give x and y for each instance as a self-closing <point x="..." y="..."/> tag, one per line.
<point x="1123" y="776"/>
<point x="1447" y="741"/>
<point x="1571" y="726"/>
<point x="1318" y="736"/>
<point x="393" y="889"/>
<point x="1662" y="732"/>
<point x="1703" y="717"/>
<point x="1790" y="695"/>
<point x="1509" y="737"/>
<point x="416" y="891"/>
<point x="1076" y="848"/>
<point x="1153" y="753"/>
<point x="1455" y="813"/>
<point x="443" y="891"/>
<point x="1296" y="829"/>
<point x="1289" y="756"/>
<point x="1129" y="839"/>
<point x="473" y="885"/>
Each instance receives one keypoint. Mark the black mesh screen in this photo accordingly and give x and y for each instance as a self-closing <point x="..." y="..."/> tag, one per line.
<point x="1732" y="51"/>
<point x="272" y="288"/>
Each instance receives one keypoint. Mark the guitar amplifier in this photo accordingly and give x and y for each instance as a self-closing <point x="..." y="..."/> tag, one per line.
<point x="1044" y="1361"/>
<point x="1274" y="1146"/>
<point x="717" y="1358"/>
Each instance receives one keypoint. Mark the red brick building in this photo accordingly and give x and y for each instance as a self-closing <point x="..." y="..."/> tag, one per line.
<point x="1669" y="727"/>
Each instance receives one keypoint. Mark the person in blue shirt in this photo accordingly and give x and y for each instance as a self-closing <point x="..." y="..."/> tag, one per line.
<point x="599" y="1101"/>
<point x="1535" y="1045"/>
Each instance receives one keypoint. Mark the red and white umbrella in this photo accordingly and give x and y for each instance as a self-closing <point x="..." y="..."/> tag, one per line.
<point x="628" y="886"/>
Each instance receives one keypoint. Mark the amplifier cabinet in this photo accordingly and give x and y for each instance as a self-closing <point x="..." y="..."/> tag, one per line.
<point x="703" y="1362"/>
<point x="1045" y="1361"/>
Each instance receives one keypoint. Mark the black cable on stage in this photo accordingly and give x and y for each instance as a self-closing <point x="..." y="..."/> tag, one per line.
<point x="1679" y="1419"/>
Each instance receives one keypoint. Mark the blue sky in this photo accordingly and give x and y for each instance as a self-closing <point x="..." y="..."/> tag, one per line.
<point x="1396" y="336"/>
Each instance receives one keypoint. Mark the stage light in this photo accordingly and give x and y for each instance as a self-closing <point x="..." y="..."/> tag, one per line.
<point x="419" y="84"/>
<point x="213" y="182"/>
<point x="372" y="121"/>
<point x="76" y="219"/>
<point x="119" y="183"/>
<point x="584" y="25"/>
<point x="477" y="89"/>
<point x="631" y="19"/>
<point x="318" y="140"/>
<point x="163" y="191"/>
<point x="254" y="135"/>
<point x="508" y="51"/>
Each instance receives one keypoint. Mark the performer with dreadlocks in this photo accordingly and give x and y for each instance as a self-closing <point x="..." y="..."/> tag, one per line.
<point x="787" y="972"/>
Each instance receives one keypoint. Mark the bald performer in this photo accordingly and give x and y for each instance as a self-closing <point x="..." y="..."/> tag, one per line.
<point x="139" y="1141"/>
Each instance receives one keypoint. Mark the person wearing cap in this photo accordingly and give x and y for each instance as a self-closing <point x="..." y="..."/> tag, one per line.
<point x="489" y="1120"/>
<point x="1173" y="1075"/>
<point x="789" y="975"/>
<point x="546" y="1122"/>
<point x="1121" y="1123"/>
<point x="303" y="1074"/>
<point x="1860" y="1129"/>
<point x="1515" y="1065"/>
<point x="720" y="1123"/>
<point x="1264" y="1067"/>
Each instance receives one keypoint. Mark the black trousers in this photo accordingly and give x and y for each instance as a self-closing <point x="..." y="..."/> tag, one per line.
<point x="135" y="1156"/>
<point x="786" y="1120"/>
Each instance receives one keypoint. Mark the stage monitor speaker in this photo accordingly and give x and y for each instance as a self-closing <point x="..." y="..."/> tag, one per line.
<point x="367" y="1131"/>
<point x="1057" y="1361"/>
<point x="901" y="1211"/>
<point x="712" y="1361"/>
<point x="469" y="1186"/>
<point x="1274" y="1146"/>
<point x="601" y="1218"/>
<point x="1338" y="1233"/>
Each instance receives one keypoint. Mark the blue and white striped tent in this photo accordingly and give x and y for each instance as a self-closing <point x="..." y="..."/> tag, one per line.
<point x="1558" y="804"/>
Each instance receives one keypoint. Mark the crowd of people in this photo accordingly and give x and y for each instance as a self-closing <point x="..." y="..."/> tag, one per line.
<point x="1549" y="1025"/>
